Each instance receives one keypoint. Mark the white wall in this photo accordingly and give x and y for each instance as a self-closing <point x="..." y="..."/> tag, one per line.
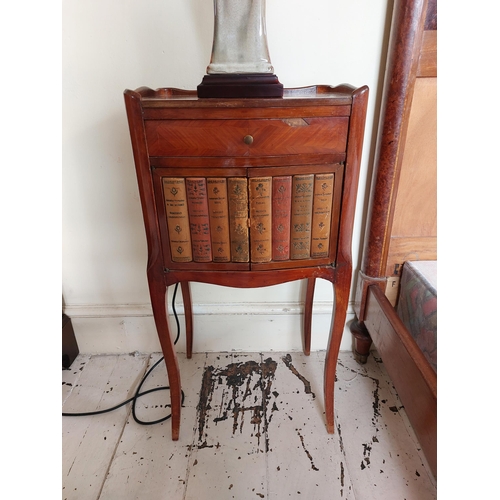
<point x="111" y="45"/>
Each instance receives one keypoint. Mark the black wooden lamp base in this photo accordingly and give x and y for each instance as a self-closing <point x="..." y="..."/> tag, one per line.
<point x="240" y="85"/>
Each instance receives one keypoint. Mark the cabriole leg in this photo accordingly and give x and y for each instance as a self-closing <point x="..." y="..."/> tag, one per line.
<point x="308" y="315"/>
<point x="341" y="291"/>
<point x="158" y="291"/>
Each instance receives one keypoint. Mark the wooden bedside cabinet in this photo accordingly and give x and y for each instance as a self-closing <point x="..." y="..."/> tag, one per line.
<point x="248" y="193"/>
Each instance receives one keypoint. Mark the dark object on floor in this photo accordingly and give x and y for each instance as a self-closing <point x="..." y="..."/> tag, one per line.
<point x="69" y="345"/>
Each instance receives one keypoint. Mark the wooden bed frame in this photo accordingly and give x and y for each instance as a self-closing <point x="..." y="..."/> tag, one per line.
<point x="401" y="222"/>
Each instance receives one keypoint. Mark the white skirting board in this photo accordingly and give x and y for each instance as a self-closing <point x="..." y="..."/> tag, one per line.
<point x="242" y="327"/>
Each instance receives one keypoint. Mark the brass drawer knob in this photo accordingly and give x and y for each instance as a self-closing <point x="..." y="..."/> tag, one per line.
<point x="248" y="139"/>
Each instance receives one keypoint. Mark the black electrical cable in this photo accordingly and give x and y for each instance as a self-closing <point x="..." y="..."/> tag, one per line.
<point x="138" y="394"/>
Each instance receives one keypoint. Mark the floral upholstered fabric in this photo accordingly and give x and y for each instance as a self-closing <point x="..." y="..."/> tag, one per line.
<point x="417" y="305"/>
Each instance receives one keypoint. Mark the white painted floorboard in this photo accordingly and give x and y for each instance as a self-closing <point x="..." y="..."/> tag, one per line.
<point x="252" y="426"/>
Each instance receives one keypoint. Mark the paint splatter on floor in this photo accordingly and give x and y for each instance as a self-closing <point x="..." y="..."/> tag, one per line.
<point x="246" y="389"/>
<point x="244" y="393"/>
<point x="287" y="359"/>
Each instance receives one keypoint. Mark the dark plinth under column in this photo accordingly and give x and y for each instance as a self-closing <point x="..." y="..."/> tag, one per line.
<point x="361" y="341"/>
<point x="69" y="344"/>
<point x="240" y="85"/>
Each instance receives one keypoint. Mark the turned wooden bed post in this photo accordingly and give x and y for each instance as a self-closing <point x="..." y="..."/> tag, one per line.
<point x="407" y="30"/>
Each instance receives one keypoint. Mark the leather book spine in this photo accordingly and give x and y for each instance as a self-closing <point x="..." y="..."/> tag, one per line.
<point x="237" y="188"/>
<point x="322" y="215"/>
<point x="260" y="191"/>
<point x="174" y="192"/>
<point x="300" y="231"/>
<point x="281" y="206"/>
<point x="219" y="219"/>
<point x="199" y="220"/>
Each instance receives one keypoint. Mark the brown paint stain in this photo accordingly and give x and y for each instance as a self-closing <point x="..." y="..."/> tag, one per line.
<point x="313" y="467"/>
<point x="243" y="380"/>
<point x="376" y="405"/>
<point x="307" y="385"/>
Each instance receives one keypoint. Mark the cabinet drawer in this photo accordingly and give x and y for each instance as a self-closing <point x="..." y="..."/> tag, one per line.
<point x="259" y="137"/>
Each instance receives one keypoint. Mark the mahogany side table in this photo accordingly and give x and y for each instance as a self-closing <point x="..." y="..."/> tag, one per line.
<point x="248" y="192"/>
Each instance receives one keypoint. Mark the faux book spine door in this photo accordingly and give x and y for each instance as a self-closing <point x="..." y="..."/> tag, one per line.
<point x="286" y="220"/>
<point x="260" y="191"/>
<point x="219" y="219"/>
<point x="281" y="207"/>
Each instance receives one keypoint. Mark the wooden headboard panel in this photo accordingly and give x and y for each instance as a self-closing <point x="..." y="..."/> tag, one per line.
<point x="413" y="234"/>
<point x="401" y="223"/>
